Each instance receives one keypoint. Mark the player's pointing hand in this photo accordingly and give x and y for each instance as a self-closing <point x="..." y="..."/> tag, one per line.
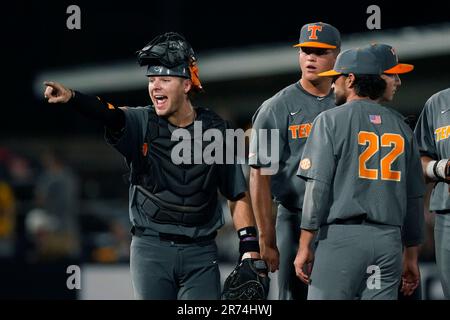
<point x="56" y="92"/>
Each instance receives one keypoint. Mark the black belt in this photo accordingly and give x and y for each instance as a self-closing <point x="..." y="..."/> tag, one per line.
<point x="175" y="238"/>
<point x="292" y="209"/>
<point x="182" y="239"/>
<point x="446" y="211"/>
<point x="362" y="219"/>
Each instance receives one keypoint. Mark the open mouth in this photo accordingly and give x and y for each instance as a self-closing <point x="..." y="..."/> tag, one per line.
<point x="160" y="100"/>
<point x="311" y="68"/>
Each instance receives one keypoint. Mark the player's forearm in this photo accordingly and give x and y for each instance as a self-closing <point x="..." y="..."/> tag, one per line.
<point x="413" y="228"/>
<point x="244" y="223"/>
<point x="92" y="107"/>
<point x="315" y="204"/>
<point x="262" y="205"/>
<point x="306" y="239"/>
<point x="425" y="161"/>
<point x="411" y="254"/>
<point x="241" y="211"/>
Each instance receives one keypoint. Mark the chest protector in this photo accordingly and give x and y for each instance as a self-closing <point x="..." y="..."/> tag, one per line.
<point x="168" y="193"/>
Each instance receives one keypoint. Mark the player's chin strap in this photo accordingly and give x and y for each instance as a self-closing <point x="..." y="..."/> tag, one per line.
<point x="439" y="170"/>
<point x="248" y="237"/>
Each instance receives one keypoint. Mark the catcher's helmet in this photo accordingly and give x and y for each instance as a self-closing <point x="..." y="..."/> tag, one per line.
<point x="167" y="54"/>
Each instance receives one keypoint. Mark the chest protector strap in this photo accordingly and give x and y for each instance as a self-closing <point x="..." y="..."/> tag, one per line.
<point x="160" y="194"/>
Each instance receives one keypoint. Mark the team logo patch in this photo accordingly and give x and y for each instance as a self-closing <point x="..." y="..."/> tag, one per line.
<point x="314" y="30"/>
<point x="305" y="164"/>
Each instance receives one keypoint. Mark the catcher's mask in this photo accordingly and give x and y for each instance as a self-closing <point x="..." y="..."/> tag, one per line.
<point x="170" y="55"/>
<point x="248" y="281"/>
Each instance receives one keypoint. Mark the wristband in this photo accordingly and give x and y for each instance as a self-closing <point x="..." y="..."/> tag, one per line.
<point x="248" y="240"/>
<point x="247" y="232"/>
<point x="436" y="170"/>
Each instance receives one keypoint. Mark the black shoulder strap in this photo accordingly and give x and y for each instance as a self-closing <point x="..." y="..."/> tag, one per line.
<point x="211" y="119"/>
<point x="139" y="165"/>
<point x="153" y="126"/>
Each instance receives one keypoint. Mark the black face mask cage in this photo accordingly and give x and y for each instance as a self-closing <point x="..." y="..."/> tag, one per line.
<point x="170" y="49"/>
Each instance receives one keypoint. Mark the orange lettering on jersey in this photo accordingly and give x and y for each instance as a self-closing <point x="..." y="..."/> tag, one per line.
<point x="442" y="133"/>
<point x="397" y="141"/>
<point x="437" y="132"/>
<point x="304" y="130"/>
<point x="447" y="132"/>
<point x="314" y="30"/>
<point x="293" y="130"/>
<point x="371" y="140"/>
<point x="299" y="131"/>
<point x="308" y="128"/>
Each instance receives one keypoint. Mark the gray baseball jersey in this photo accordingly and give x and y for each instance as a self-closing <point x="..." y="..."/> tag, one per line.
<point x="367" y="155"/>
<point x="291" y="111"/>
<point x="432" y="131"/>
<point x="231" y="181"/>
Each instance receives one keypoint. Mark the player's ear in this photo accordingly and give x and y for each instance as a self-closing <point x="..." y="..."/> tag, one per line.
<point x="350" y="80"/>
<point x="187" y="85"/>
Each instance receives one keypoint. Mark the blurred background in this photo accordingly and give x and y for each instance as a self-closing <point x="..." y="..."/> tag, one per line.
<point x="63" y="199"/>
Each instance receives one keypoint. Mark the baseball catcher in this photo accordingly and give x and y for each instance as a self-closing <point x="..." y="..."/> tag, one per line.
<point x="174" y="209"/>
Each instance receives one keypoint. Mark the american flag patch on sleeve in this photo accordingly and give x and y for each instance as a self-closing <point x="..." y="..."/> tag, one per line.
<point x="375" y="119"/>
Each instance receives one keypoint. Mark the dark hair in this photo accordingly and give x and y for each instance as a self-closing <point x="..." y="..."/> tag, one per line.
<point x="369" y="85"/>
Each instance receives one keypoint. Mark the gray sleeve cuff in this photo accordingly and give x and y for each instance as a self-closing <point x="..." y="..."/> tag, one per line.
<point x="315" y="205"/>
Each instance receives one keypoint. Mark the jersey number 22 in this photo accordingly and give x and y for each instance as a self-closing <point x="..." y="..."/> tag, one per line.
<point x="395" y="141"/>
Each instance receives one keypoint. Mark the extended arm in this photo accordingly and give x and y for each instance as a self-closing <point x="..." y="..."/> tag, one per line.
<point x="92" y="107"/>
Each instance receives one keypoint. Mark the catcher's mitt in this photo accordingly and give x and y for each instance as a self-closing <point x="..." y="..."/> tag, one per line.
<point x="248" y="281"/>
